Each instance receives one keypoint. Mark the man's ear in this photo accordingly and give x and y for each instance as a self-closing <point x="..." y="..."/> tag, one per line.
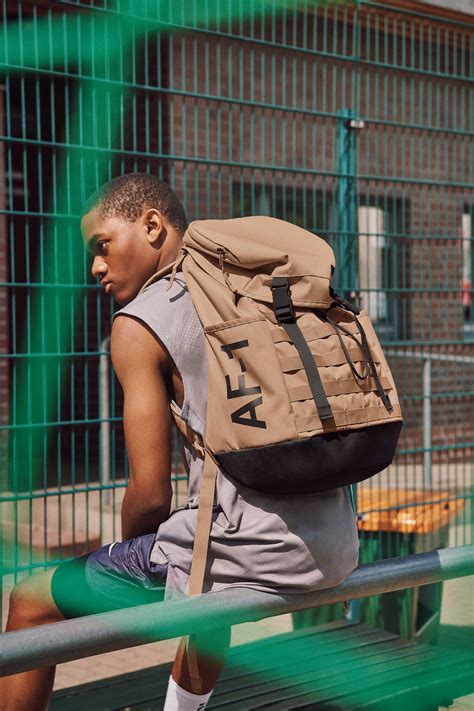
<point x="154" y="226"/>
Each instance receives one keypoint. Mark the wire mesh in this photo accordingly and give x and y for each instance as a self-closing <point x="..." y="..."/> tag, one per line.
<point x="353" y="120"/>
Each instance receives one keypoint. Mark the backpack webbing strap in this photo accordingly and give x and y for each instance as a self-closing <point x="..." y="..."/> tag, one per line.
<point x="193" y="668"/>
<point x="198" y="565"/>
<point x="283" y="308"/>
<point x="203" y="525"/>
<point x="192" y="437"/>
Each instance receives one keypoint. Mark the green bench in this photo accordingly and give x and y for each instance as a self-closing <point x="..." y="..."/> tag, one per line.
<point x="341" y="665"/>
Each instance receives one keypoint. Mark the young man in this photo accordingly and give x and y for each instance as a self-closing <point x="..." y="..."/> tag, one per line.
<point x="134" y="227"/>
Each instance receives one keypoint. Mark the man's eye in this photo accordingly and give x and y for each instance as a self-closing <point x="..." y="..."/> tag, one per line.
<point x="102" y="247"/>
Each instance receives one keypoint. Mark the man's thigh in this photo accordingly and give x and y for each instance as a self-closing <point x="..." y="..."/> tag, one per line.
<point x="113" y="577"/>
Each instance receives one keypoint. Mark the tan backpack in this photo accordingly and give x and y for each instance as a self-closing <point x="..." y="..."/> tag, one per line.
<point x="300" y="396"/>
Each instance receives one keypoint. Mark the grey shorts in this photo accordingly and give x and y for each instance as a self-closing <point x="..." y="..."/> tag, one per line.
<point x="114" y="576"/>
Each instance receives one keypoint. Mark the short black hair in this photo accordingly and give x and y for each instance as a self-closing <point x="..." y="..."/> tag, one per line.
<point x="129" y="195"/>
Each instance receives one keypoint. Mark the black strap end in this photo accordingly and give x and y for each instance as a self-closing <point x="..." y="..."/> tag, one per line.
<point x="343" y="302"/>
<point x="387" y="402"/>
<point x="325" y="413"/>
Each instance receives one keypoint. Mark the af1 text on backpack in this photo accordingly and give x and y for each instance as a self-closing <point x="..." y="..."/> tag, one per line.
<point x="300" y="396"/>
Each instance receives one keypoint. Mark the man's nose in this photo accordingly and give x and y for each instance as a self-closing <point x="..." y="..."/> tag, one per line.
<point x="99" y="268"/>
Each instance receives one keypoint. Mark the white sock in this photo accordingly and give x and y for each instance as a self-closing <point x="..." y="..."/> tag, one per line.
<point x="177" y="699"/>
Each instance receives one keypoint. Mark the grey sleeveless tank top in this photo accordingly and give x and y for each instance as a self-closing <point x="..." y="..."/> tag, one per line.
<point x="273" y="543"/>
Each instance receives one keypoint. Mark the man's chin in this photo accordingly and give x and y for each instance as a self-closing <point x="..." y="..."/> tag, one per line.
<point x="122" y="301"/>
<point x="124" y="298"/>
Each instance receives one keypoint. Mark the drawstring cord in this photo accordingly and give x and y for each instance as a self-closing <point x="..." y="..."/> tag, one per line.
<point x="337" y="328"/>
<point x="385" y="398"/>
<point x="369" y="364"/>
<point x="176" y="266"/>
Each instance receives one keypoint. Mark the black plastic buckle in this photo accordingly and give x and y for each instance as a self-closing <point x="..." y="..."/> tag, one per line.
<point x="282" y="304"/>
<point x="342" y="302"/>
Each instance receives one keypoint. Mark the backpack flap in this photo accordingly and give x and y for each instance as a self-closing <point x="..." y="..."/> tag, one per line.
<point x="256" y="249"/>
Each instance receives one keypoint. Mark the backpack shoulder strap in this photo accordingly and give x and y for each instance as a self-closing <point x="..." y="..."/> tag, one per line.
<point x="203" y="526"/>
<point x="198" y="565"/>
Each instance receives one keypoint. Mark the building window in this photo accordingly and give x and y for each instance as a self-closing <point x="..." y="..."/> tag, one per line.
<point x="372" y="255"/>
<point x="382" y="261"/>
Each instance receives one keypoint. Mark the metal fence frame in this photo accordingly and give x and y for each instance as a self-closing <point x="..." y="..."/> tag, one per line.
<point x="370" y="48"/>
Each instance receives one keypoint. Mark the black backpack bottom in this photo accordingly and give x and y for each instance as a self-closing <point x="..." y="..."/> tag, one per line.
<point x="319" y="463"/>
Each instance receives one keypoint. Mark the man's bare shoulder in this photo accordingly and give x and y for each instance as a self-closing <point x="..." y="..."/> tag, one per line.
<point x="133" y="343"/>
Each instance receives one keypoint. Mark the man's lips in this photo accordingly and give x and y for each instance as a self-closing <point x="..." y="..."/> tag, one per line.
<point x="107" y="285"/>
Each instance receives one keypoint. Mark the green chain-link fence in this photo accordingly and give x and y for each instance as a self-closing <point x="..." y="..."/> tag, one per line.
<point x="353" y="120"/>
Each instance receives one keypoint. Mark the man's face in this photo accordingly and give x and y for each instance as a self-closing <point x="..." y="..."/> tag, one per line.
<point x="124" y="256"/>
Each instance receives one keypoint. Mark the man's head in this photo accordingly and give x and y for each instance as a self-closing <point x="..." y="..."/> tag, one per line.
<point x="133" y="226"/>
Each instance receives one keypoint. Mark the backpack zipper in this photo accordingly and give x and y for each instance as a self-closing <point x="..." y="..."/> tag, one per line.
<point x="222" y="253"/>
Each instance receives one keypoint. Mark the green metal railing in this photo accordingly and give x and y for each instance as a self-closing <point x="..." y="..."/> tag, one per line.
<point x="353" y="120"/>
<point x="94" y="634"/>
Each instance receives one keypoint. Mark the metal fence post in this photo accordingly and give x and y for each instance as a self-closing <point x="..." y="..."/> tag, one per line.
<point x="427" y="433"/>
<point x="347" y="273"/>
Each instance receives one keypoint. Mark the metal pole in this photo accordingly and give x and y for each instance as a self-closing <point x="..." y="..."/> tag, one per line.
<point x="427" y="433"/>
<point x="346" y="206"/>
<point x="347" y="269"/>
<point x="104" y="377"/>
<point x="86" y="636"/>
<point x="5" y="348"/>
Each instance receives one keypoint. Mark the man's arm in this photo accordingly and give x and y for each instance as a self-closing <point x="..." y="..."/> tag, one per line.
<point x="141" y="364"/>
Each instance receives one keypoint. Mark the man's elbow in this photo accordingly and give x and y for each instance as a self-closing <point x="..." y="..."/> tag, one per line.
<point x="150" y="500"/>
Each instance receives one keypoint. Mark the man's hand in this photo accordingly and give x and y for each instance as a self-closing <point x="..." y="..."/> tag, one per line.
<point x="142" y="363"/>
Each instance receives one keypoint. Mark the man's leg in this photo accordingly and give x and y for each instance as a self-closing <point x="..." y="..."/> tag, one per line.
<point x="31" y="604"/>
<point x="112" y="584"/>
<point x="210" y="653"/>
<point x="112" y="577"/>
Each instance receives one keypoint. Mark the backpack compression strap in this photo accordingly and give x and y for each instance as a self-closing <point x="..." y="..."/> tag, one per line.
<point x="283" y="308"/>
